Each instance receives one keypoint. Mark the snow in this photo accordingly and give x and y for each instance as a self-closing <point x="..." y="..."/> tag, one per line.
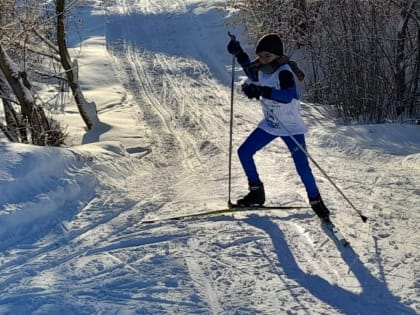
<point x="72" y="239"/>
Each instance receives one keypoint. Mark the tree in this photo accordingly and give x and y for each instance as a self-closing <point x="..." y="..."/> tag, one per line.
<point x="29" y="36"/>
<point x="86" y="110"/>
<point x="31" y="123"/>
<point x="406" y="45"/>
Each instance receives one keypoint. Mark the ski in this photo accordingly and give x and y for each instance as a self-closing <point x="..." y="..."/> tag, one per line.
<point x="335" y="232"/>
<point x="231" y="209"/>
<point x="236" y="207"/>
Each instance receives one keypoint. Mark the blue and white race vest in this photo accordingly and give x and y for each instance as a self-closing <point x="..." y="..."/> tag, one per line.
<point x="280" y="119"/>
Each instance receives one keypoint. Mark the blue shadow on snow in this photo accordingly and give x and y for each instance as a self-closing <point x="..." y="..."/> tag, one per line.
<point x="375" y="298"/>
<point x="173" y="34"/>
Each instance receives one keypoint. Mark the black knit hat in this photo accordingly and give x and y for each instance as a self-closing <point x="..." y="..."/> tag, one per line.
<point x="270" y="43"/>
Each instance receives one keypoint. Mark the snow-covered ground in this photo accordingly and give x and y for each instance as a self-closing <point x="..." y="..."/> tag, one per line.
<point x="72" y="239"/>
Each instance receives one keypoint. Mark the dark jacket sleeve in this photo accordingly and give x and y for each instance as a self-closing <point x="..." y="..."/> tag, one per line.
<point x="244" y="61"/>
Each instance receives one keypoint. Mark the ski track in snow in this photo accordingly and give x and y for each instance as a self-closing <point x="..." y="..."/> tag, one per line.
<point x="103" y="260"/>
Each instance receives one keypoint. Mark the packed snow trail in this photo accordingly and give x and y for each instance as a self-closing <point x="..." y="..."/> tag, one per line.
<point x="159" y="69"/>
<point x="94" y="256"/>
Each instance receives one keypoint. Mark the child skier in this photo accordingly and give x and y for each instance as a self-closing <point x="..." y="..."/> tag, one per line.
<point x="273" y="83"/>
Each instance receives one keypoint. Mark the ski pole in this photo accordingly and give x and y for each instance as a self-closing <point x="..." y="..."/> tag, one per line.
<point x="364" y="218"/>
<point x="232" y="37"/>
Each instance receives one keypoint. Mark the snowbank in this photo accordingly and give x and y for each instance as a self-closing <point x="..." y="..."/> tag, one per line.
<point x="41" y="184"/>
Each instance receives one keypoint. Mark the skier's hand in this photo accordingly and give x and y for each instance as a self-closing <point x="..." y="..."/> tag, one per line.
<point x="234" y="47"/>
<point x="255" y="91"/>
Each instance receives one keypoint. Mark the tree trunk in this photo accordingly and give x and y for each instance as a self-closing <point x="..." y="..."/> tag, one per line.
<point x="399" y="76"/>
<point x="15" y="80"/>
<point x="86" y="110"/>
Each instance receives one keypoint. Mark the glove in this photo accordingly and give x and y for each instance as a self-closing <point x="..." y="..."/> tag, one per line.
<point x="255" y="91"/>
<point x="234" y="47"/>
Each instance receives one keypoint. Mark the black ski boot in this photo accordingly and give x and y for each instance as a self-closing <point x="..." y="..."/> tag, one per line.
<point x="320" y="209"/>
<point x="255" y="197"/>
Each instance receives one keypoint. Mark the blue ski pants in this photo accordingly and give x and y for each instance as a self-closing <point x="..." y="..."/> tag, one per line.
<point x="258" y="139"/>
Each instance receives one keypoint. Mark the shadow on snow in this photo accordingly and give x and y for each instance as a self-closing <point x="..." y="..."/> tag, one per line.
<point x="184" y="35"/>
<point x="375" y="297"/>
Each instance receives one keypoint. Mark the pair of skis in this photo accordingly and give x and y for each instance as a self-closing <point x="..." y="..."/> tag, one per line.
<point x="330" y="226"/>
<point x="231" y="209"/>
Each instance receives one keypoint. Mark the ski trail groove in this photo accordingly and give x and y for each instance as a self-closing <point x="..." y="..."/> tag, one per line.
<point x="201" y="280"/>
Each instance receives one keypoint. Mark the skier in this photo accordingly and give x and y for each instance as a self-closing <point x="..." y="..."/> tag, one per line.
<point x="273" y="83"/>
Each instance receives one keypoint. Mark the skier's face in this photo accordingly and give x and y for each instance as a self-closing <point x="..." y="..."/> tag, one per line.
<point x="266" y="57"/>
